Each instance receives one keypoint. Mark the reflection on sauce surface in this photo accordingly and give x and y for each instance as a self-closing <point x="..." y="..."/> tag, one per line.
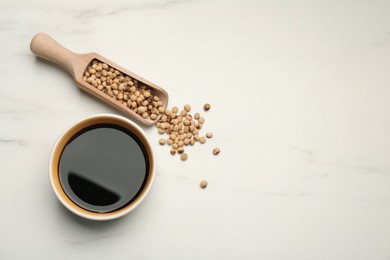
<point x="103" y="168"/>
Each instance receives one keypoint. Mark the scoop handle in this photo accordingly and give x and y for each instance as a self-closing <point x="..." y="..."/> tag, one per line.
<point x="47" y="48"/>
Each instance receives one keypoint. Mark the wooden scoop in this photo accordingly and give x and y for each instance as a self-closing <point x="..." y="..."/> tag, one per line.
<point x="47" y="48"/>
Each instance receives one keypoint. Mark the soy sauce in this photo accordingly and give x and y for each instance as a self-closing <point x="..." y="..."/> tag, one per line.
<point x="103" y="168"/>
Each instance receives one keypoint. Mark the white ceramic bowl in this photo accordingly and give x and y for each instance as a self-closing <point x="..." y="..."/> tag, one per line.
<point x="61" y="143"/>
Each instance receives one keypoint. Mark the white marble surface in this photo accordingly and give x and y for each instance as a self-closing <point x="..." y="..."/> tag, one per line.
<point x="301" y="110"/>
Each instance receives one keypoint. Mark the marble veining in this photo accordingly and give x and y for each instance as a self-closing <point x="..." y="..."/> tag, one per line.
<point x="94" y="12"/>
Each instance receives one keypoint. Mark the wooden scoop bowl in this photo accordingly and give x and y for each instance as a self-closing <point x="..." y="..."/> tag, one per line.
<point x="47" y="48"/>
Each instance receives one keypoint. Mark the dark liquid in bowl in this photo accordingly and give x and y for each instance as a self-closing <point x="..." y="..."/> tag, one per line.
<point x="103" y="168"/>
